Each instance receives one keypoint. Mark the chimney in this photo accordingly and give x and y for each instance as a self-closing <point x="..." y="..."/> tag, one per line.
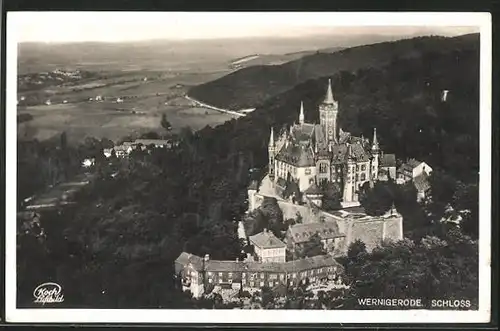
<point x="265" y="230"/>
<point x="237" y="259"/>
<point x="207" y="257"/>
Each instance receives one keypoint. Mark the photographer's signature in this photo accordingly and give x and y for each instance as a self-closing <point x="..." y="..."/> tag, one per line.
<point x="48" y="293"/>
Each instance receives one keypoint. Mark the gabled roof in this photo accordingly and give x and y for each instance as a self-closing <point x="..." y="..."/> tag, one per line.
<point x="388" y="160"/>
<point x="266" y="239"/>
<point x="303" y="232"/>
<point x="318" y="261"/>
<point x="299" y="156"/>
<point x="313" y="190"/>
<point x="308" y="263"/>
<point x="186" y="258"/>
<point x="303" y="131"/>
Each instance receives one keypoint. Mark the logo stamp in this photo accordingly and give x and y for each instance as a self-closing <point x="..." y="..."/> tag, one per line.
<point x="48" y="293"/>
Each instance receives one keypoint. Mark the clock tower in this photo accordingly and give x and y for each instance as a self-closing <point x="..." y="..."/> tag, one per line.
<point x="328" y="110"/>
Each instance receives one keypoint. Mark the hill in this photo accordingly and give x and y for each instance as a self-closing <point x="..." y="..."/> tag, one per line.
<point x="274" y="59"/>
<point x="251" y="86"/>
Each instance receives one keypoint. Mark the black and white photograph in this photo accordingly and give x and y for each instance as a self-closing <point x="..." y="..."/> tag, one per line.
<point x="231" y="167"/>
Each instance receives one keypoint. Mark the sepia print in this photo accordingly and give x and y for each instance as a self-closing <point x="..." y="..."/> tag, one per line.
<point x="242" y="163"/>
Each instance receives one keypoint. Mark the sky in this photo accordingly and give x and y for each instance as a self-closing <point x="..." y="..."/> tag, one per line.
<point x="133" y="26"/>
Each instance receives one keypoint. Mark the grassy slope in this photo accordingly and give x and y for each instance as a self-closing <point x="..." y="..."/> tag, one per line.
<point x="250" y="87"/>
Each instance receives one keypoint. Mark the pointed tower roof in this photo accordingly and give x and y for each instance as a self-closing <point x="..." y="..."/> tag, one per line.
<point x="301" y="115"/>
<point x="350" y="153"/>
<point x="271" y="138"/>
<point x="329" y="95"/>
<point x="375" y="140"/>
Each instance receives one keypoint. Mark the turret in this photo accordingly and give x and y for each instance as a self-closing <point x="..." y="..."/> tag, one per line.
<point x="375" y="146"/>
<point x="350" y="180"/>
<point x="272" y="154"/>
<point x="301" y="115"/>
<point x="328" y="110"/>
<point x="375" y="156"/>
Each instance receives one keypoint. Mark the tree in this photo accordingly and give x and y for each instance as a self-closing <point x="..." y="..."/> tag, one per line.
<point x="378" y="200"/>
<point x="310" y="248"/>
<point x="356" y="249"/>
<point x="165" y="123"/>
<point x="332" y="196"/>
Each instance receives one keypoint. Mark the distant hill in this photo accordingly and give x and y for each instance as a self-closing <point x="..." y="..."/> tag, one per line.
<point x="251" y="86"/>
<point x="275" y="59"/>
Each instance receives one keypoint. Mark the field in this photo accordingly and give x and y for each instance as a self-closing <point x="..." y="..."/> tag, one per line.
<point x="146" y="96"/>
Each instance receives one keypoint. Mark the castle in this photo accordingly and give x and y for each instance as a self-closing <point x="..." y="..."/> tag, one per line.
<point x="313" y="154"/>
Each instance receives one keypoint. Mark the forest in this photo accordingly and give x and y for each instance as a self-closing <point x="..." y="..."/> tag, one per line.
<point x="251" y="87"/>
<point x="116" y="247"/>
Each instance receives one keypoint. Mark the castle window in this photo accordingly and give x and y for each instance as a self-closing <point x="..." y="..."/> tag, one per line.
<point x="363" y="167"/>
<point x="357" y="167"/>
<point x="322" y="168"/>
<point x="357" y="177"/>
<point x="308" y="171"/>
<point x="363" y="176"/>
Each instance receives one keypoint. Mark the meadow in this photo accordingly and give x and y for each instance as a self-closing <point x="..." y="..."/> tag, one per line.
<point x="146" y="96"/>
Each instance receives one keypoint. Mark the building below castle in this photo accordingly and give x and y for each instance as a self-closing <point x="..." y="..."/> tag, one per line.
<point x="197" y="275"/>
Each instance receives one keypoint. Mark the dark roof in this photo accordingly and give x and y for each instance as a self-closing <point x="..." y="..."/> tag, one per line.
<point x="303" y="131"/>
<point x="388" y="160"/>
<point x="409" y="165"/>
<point x="266" y="239"/>
<point x="303" y="232"/>
<point x="413" y="163"/>
<point x="359" y="152"/>
<point x="318" y="261"/>
<point x="299" y="156"/>
<point x="421" y="182"/>
<point x="314" y="262"/>
<point x="313" y="190"/>
<point x="254" y="185"/>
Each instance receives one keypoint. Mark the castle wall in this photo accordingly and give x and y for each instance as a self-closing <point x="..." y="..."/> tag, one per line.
<point x="393" y="229"/>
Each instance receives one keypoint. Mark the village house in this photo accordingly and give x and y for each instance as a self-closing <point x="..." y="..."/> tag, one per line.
<point x="328" y="232"/>
<point x="387" y="167"/>
<point x="267" y="247"/>
<point x="198" y="274"/>
<point x="411" y="169"/>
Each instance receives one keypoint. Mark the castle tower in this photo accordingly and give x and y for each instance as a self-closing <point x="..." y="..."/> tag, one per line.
<point x="301" y="115"/>
<point x="328" y="110"/>
<point x="350" y="178"/>
<point x="272" y="152"/>
<point x="376" y="155"/>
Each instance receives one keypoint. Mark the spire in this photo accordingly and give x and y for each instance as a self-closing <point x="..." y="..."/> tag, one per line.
<point x="350" y="154"/>
<point x="271" y="138"/>
<point x="329" y="95"/>
<point x="375" y="146"/>
<point x="301" y="115"/>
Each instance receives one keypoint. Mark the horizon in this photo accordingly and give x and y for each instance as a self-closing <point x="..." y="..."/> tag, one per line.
<point x="113" y="27"/>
